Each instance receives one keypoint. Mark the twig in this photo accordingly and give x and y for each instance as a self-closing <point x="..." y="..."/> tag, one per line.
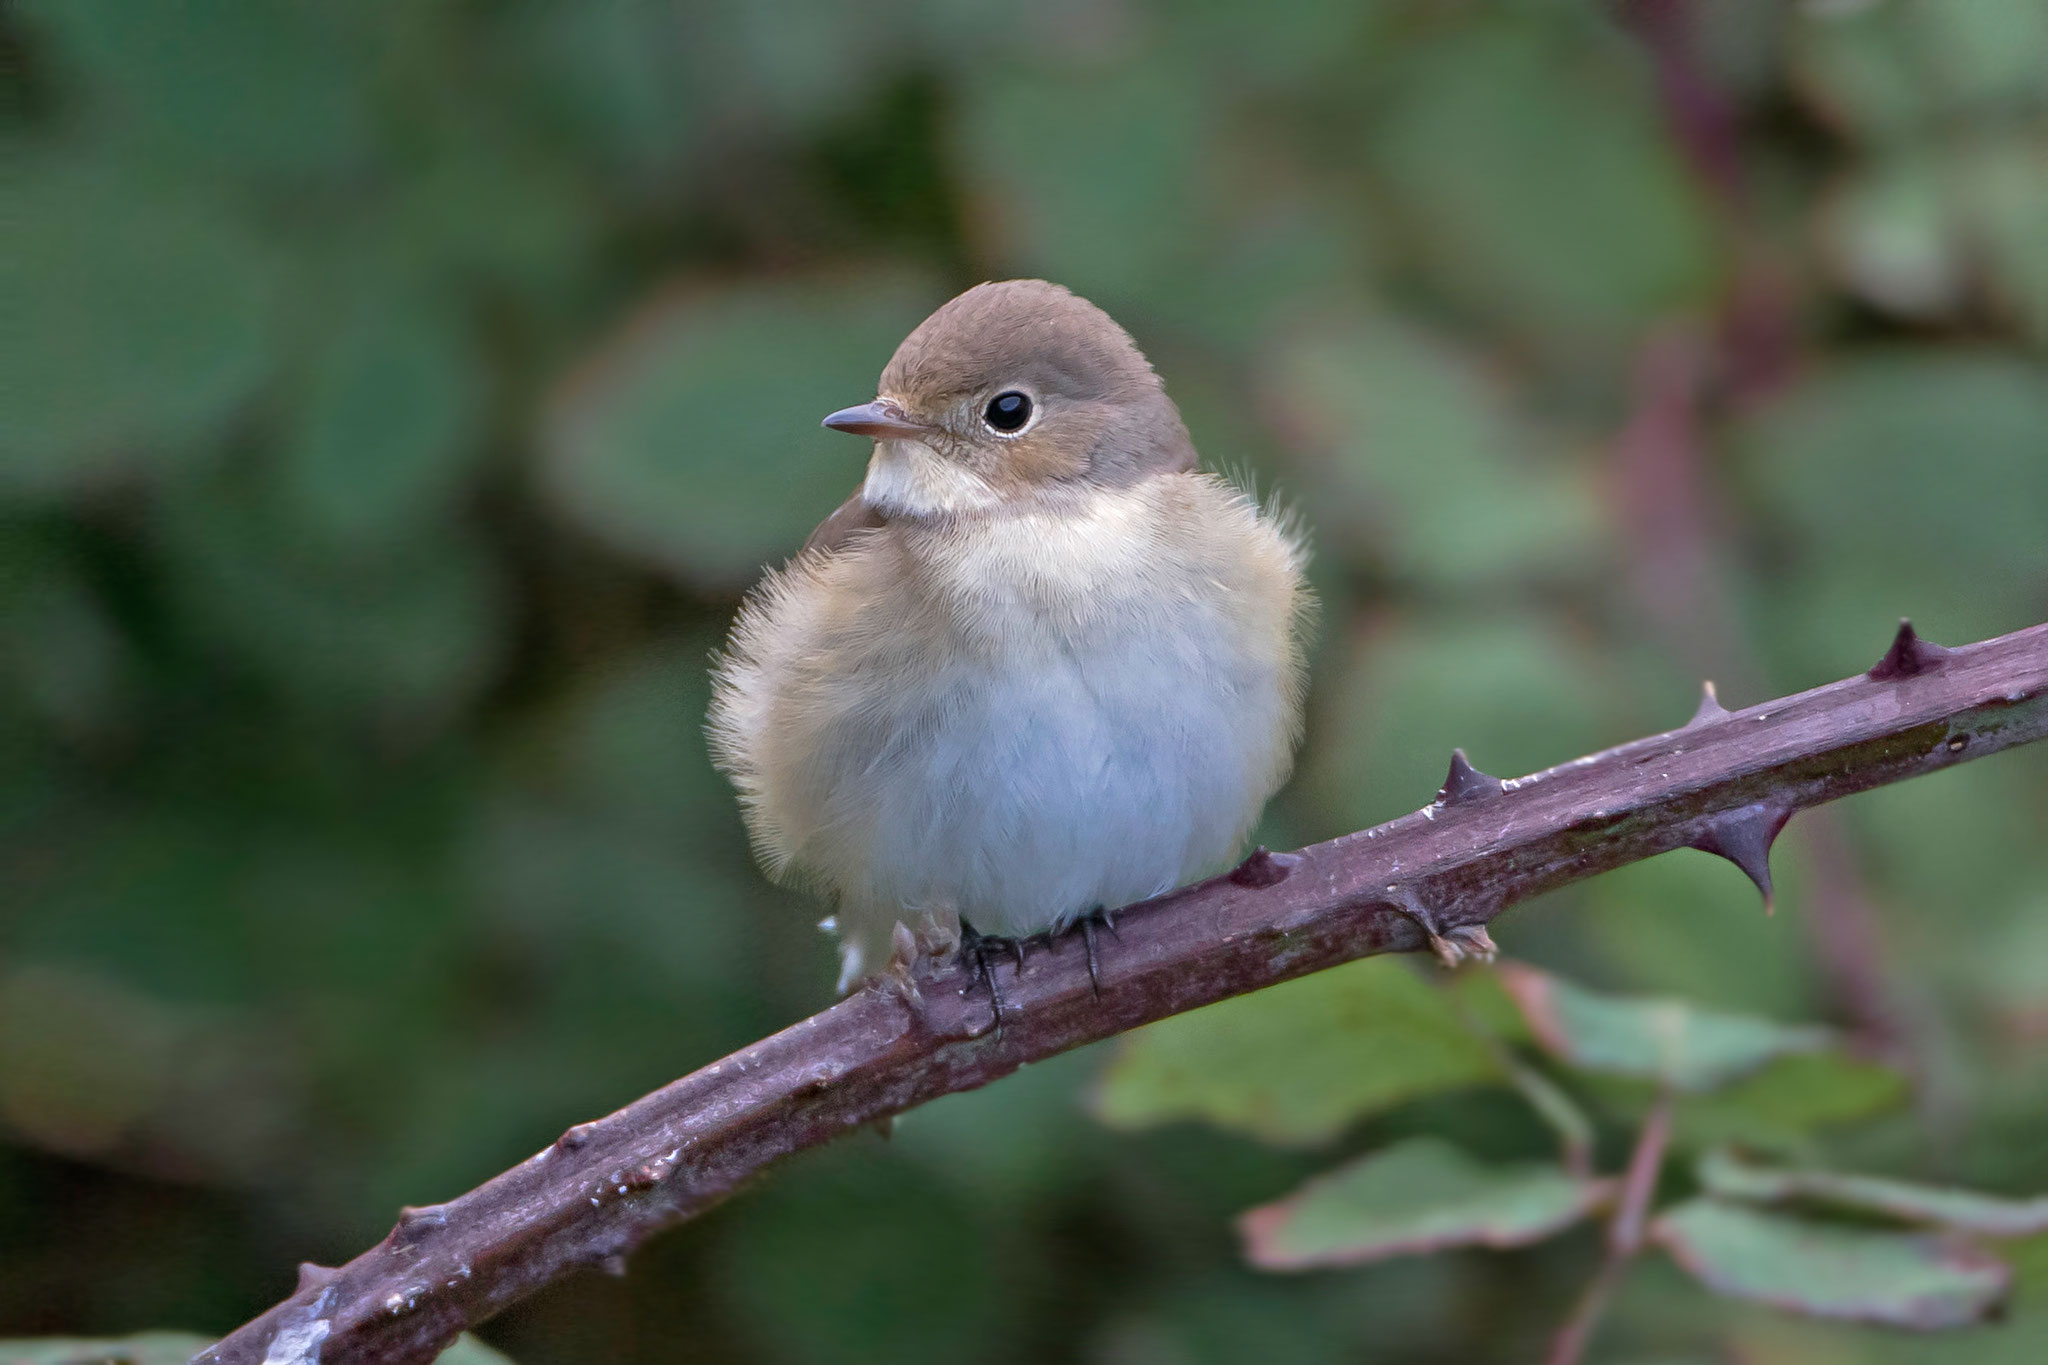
<point x="1624" y="1236"/>
<point x="1432" y="878"/>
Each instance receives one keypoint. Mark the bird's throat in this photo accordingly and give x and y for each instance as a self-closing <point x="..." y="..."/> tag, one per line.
<point x="909" y="478"/>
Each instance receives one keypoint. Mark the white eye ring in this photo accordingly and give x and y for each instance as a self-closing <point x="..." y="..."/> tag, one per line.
<point x="1010" y="413"/>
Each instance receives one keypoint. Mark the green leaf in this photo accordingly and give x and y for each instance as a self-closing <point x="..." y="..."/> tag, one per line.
<point x="930" y="1284"/>
<point x="1856" y="67"/>
<point x="140" y="319"/>
<point x="271" y="87"/>
<point x="797" y="62"/>
<point x="1688" y="925"/>
<point x="2004" y="968"/>
<point x="1668" y="1041"/>
<point x="1416" y="1197"/>
<point x="1780" y="1106"/>
<point x="1841" y="462"/>
<point x="1421" y="466"/>
<point x="388" y="426"/>
<point x="1282" y="49"/>
<point x="1580" y="249"/>
<point x="1889" y="73"/>
<point x="97" y="1070"/>
<point x="176" y="1348"/>
<point x="1857" y="435"/>
<point x="1218" y="1315"/>
<point x="1890" y="235"/>
<point x="2018" y="1336"/>
<point x="87" y="1062"/>
<point x="488" y="207"/>
<point x="1095" y="175"/>
<point x="467" y="1350"/>
<point x="2006" y="201"/>
<point x="693" y="438"/>
<point x="1916" y="229"/>
<point x="402" y="636"/>
<point x="615" y="75"/>
<point x="1299" y="1062"/>
<point x="1833" y="1271"/>
<point x="1516" y="692"/>
<point x="1723" y="1174"/>
<point x="144" y="1348"/>
<point x="68" y="663"/>
<point x="1982" y="54"/>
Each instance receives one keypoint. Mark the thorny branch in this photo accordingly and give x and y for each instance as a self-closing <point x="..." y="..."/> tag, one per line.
<point x="1724" y="782"/>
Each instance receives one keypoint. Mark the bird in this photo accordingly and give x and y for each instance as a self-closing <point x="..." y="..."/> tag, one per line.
<point x="1038" y="665"/>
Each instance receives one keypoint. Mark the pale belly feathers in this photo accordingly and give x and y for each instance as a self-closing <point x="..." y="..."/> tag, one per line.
<point x="1017" y="722"/>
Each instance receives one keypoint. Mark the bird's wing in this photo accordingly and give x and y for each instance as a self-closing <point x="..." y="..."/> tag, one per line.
<point x="849" y="519"/>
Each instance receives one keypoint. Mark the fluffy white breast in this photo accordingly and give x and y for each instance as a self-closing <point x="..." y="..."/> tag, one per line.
<point x="1015" y="719"/>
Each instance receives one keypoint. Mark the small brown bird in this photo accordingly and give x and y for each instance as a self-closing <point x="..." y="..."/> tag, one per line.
<point x="1037" y="665"/>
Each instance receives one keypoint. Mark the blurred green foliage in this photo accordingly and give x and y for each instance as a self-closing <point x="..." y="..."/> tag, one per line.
<point x="400" y="394"/>
<point x="1272" y="1065"/>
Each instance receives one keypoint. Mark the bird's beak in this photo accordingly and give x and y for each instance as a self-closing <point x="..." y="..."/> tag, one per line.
<point x="881" y="419"/>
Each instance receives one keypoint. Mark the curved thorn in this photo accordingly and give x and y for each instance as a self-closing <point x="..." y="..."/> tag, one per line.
<point x="1909" y="656"/>
<point x="422" y="1215"/>
<point x="312" y="1276"/>
<point x="1465" y="783"/>
<point x="1710" y="708"/>
<point x="1263" y="868"/>
<point x="1744" y="837"/>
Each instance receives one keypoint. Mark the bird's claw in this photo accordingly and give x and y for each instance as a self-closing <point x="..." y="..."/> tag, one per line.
<point x="976" y="951"/>
<point x="980" y="953"/>
<point x="1102" y="916"/>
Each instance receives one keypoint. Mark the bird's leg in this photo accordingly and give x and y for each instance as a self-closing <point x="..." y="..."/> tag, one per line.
<point x="980" y="953"/>
<point x="1099" y="915"/>
<point x="899" y="978"/>
<point x="976" y="950"/>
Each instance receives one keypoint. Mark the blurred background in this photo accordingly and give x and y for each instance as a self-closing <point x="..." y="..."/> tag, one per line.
<point x="403" y="394"/>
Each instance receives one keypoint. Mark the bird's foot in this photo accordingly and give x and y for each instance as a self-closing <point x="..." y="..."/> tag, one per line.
<point x="980" y="953"/>
<point x="1098" y="918"/>
<point x="899" y="977"/>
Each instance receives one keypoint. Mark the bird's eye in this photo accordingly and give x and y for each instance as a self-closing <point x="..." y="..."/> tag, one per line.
<point x="1007" y="411"/>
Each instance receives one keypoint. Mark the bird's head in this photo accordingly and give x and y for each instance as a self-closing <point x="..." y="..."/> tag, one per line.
<point x="1012" y="388"/>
